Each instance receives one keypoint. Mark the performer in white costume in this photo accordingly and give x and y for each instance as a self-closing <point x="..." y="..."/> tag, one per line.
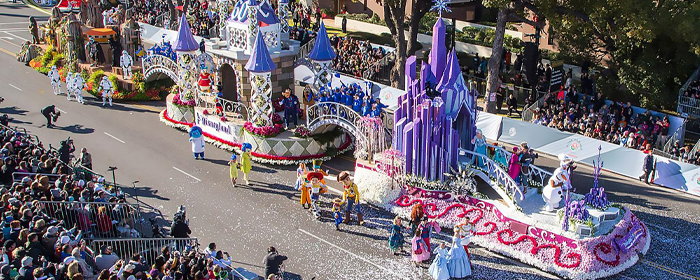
<point x="106" y="89"/>
<point x="126" y="62"/>
<point x="78" y="86"/>
<point x="55" y="79"/>
<point x="560" y="181"/>
<point x="69" y="84"/>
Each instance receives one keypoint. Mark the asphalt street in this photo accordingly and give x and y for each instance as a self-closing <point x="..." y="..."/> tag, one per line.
<point x="246" y="220"/>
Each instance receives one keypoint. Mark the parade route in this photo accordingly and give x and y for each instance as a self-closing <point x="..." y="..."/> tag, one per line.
<point x="247" y="219"/>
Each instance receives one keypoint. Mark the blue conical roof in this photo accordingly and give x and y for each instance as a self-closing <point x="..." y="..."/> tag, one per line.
<point x="185" y="40"/>
<point x="322" y="50"/>
<point x="260" y="60"/>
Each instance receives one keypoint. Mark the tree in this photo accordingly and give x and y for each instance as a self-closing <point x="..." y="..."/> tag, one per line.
<point x="395" y="17"/>
<point x="507" y="10"/>
<point x="650" y="47"/>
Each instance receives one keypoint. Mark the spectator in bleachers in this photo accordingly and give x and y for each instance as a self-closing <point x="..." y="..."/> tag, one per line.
<point x="106" y="258"/>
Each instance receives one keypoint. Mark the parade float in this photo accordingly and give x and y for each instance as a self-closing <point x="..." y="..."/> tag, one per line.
<point x="234" y="89"/>
<point x="438" y="154"/>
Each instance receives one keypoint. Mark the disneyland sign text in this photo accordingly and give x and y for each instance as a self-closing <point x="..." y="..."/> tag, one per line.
<point x="214" y="126"/>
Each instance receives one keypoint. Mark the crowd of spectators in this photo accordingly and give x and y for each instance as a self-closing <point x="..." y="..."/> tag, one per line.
<point x="41" y="242"/>
<point x="355" y="57"/>
<point x="201" y="19"/>
<point x="693" y="90"/>
<point x="591" y="116"/>
<point x="147" y="11"/>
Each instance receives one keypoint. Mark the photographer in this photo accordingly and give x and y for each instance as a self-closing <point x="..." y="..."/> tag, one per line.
<point x="65" y="151"/>
<point x="273" y="261"/>
<point x="50" y="113"/>
<point x="179" y="228"/>
<point x="527" y="157"/>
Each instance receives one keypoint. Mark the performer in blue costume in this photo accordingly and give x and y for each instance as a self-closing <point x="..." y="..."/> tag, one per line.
<point x="357" y="104"/>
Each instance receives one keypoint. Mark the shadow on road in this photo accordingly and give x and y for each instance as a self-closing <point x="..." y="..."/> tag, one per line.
<point x="14" y="110"/>
<point x="144" y="191"/>
<point x="76" y="128"/>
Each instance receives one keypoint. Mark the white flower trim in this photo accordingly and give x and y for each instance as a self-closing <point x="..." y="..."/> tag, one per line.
<point x="230" y="148"/>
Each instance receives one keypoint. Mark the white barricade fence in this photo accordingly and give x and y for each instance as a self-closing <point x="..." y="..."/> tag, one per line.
<point x="148" y="248"/>
<point x="116" y="220"/>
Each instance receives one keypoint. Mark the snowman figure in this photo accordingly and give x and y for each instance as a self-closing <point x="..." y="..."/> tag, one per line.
<point x="126" y="62"/>
<point x="78" y="86"/>
<point x="560" y="181"/>
<point x="106" y="89"/>
<point x="55" y="79"/>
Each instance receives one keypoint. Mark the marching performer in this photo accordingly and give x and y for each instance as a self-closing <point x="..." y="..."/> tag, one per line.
<point x="337" y="216"/>
<point x="125" y="61"/>
<point x="78" y="86"/>
<point x="233" y="169"/>
<point x="246" y="164"/>
<point x="106" y="89"/>
<point x="465" y="232"/>
<point x="55" y="79"/>
<point x="69" y="85"/>
<point x="301" y="175"/>
<point x="350" y="196"/>
<point x="317" y="188"/>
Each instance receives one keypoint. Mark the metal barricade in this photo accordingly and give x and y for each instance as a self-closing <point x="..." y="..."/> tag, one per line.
<point x="148" y="248"/>
<point x="17" y="176"/>
<point x="116" y="220"/>
<point x="529" y="112"/>
<point x="304" y="51"/>
<point x="678" y="135"/>
<point x="688" y="105"/>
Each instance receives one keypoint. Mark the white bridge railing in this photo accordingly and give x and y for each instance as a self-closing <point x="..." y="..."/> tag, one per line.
<point x="505" y="185"/>
<point x="155" y="63"/>
<point x="537" y="177"/>
<point x="234" y="109"/>
<point x="323" y="113"/>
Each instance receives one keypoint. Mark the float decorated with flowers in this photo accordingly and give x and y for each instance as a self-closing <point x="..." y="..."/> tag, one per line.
<point x="440" y="161"/>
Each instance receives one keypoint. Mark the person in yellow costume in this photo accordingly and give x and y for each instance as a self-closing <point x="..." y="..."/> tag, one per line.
<point x="246" y="164"/>
<point x="350" y="197"/>
<point x="317" y="188"/>
<point x="233" y="169"/>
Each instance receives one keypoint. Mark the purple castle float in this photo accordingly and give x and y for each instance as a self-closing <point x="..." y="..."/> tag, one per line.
<point x="437" y="114"/>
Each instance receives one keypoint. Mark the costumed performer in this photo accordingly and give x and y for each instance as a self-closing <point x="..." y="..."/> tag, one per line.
<point x="317" y="168"/>
<point x="204" y="80"/>
<point x="69" y="85"/>
<point x="107" y="90"/>
<point x="419" y="250"/>
<point x="337" y="216"/>
<point x="514" y="165"/>
<point x="479" y="147"/>
<point x="126" y="61"/>
<point x="290" y="105"/>
<point x="246" y="164"/>
<point x="426" y="228"/>
<point x="317" y="188"/>
<point x="458" y="263"/>
<point x="233" y="169"/>
<point x="305" y="189"/>
<point x="78" y="86"/>
<point x="55" y="79"/>
<point x="466" y="230"/>
<point x="560" y="180"/>
<point x="197" y="140"/>
<point x="438" y="269"/>
<point x="351" y="196"/>
<point x="301" y="175"/>
<point x="396" y="236"/>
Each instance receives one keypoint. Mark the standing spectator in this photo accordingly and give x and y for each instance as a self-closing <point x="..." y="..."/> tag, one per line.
<point x="648" y="168"/>
<point x="85" y="158"/>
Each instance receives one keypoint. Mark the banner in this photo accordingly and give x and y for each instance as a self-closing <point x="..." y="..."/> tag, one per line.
<point x="215" y="127"/>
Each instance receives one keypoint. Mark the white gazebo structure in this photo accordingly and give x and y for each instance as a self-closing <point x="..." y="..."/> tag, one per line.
<point x="186" y="47"/>
<point x="247" y="19"/>
<point x="322" y="56"/>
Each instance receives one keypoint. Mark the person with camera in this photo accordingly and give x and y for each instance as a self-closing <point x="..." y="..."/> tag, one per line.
<point x="65" y="151"/>
<point x="273" y="261"/>
<point x="51" y="114"/>
<point x="180" y="228"/>
<point x="527" y="157"/>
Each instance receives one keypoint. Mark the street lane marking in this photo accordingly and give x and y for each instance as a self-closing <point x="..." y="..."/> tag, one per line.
<point x="350" y="253"/>
<point x="146" y="107"/>
<point x="37" y="8"/>
<point x="7" y="52"/>
<point x="15" y="87"/>
<point x="13" y="35"/>
<point x="662" y="228"/>
<point x="183" y="172"/>
<point x="115" y="138"/>
<point x="6" y="41"/>
<point x="670" y="270"/>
